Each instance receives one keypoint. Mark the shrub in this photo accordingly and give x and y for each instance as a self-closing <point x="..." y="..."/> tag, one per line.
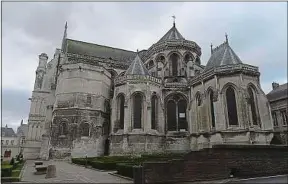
<point x="6" y="170"/>
<point x="79" y="161"/>
<point x="12" y="161"/>
<point x="18" y="157"/>
<point x="111" y="165"/>
<point x="125" y="169"/>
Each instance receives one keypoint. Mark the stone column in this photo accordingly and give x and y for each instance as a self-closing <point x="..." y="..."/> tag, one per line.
<point x="127" y="119"/>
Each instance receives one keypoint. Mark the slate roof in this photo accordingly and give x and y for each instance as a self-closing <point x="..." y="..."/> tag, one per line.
<point x="90" y="49"/>
<point x="222" y="55"/>
<point x="137" y="67"/>
<point x="172" y="34"/>
<point x="7" y="132"/>
<point x="22" y="130"/>
<point x="281" y="92"/>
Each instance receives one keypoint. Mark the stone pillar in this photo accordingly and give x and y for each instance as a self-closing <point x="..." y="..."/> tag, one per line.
<point x="44" y="151"/>
<point x="147" y="123"/>
<point x="127" y="120"/>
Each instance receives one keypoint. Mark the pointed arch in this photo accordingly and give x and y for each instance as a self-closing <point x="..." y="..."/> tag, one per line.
<point x="231" y="105"/>
<point x="188" y="56"/>
<point x="85" y="129"/>
<point x="63" y="128"/>
<point x="198" y="98"/>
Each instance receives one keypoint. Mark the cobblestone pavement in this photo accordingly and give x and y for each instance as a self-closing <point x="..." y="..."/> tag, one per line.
<point x="69" y="173"/>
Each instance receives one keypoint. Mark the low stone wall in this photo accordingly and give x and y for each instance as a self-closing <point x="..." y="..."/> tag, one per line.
<point x="220" y="162"/>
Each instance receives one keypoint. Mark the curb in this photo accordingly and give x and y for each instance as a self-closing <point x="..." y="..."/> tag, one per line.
<point x="120" y="176"/>
<point x="22" y="171"/>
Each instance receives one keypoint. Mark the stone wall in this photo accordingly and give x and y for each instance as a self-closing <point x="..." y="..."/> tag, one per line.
<point x="219" y="163"/>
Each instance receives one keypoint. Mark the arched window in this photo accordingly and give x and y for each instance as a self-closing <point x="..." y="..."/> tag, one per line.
<point x="212" y="109"/>
<point x="154" y="111"/>
<point x="85" y="129"/>
<point x="63" y="128"/>
<point x="150" y="64"/>
<point x="252" y="105"/>
<point x="188" y="57"/>
<point x="198" y="99"/>
<point x="176" y="113"/>
<point x="161" y="59"/>
<point x="137" y="108"/>
<point x="174" y="59"/>
<point x="231" y="106"/>
<point x="198" y="61"/>
<point x="73" y="132"/>
<point x="121" y="101"/>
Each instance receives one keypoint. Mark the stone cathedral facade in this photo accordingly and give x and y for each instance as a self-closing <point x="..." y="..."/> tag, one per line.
<point x="96" y="100"/>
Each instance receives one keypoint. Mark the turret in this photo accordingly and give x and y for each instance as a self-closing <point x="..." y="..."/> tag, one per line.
<point x="43" y="58"/>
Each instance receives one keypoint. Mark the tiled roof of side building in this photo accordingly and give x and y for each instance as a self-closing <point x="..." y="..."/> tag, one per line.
<point x="280" y="92"/>
<point x="7" y="132"/>
<point x="222" y="55"/>
<point x="91" y="49"/>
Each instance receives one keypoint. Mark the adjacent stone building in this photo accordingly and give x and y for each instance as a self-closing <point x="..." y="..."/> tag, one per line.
<point x="93" y="100"/>
<point x="11" y="143"/>
<point x="278" y="99"/>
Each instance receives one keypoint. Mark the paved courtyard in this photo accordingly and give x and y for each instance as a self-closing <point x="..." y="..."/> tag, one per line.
<point x="69" y="173"/>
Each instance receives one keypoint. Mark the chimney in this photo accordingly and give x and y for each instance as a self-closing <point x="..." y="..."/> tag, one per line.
<point x="275" y="85"/>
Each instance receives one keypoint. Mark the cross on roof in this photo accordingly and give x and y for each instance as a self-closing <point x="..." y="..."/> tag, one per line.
<point x="174" y="17"/>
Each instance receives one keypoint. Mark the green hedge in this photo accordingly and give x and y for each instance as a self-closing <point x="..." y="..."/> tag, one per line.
<point x="111" y="165"/>
<point x="6" y="170"/>
<point x="79" y="161"/>
<point x="125" y="169"/>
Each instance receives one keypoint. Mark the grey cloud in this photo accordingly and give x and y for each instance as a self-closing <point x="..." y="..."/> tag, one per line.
<point x="43" y="20"/>
<point x="257" y="33"/>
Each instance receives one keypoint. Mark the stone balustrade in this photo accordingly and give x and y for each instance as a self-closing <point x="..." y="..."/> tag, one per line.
<point x="225" y="69"/>
<point x="140" y="78"/>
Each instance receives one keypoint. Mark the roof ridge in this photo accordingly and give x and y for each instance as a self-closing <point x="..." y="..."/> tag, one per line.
<point x="100" y="45"/>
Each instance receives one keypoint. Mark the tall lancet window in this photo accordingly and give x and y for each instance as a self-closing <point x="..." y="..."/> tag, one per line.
<point x="154" y="111"/>
<point x="137" y="110"/>
<point x="252" y="105"/>
<point x="212" y="109"/>
<point x="63" y="128"/>
<point x="231" y="106"/>
<point x="174" y="59"/>
<point x="120" y="109"/>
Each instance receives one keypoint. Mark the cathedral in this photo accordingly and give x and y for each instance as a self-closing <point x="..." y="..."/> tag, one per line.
<point x="93" y="100"/>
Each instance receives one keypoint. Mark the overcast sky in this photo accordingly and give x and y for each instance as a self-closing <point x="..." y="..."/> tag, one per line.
<point x="257" y="33"/>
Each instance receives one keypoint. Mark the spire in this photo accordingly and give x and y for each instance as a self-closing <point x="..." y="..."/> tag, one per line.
<point x="211" y="48"/>
<point x="22" y="122"/>
<point x="226" y="37"/>
<point x="63" y="48"/>
<point x="6" y="126"/>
